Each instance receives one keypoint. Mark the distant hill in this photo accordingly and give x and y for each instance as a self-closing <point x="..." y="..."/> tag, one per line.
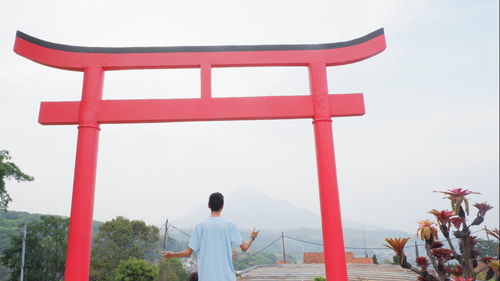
<point x="11" y="223"/>
<point x="251" y="208"/>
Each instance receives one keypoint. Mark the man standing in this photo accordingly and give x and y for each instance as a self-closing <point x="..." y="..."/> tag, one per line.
<point x="214" y="239"/>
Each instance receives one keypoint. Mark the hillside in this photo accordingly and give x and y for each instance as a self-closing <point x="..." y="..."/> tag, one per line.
<point x="11" y="224"/>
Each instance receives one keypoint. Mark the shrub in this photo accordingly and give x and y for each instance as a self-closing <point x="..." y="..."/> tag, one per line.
<point x="452" y="263"/>
<point x="136" y="270"/>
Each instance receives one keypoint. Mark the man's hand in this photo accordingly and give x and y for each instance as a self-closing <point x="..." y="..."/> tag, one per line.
<point x="168" y="254"/>
<point x="255" y="233"/>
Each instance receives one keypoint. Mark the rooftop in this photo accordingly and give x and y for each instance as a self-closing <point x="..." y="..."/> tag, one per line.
<point x="307" y="272"/>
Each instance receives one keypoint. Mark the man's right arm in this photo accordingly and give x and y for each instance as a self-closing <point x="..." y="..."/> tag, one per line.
<point x="183" y="254"/>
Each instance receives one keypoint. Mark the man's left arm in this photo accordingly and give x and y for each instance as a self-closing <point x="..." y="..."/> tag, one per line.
<point x="246" y="245"/>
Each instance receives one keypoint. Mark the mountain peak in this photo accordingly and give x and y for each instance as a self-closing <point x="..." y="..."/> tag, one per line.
<point x="249" y="207"/>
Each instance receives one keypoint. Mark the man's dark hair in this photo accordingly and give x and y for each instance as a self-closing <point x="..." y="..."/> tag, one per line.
<point x="193" y="276"/>
<point x="216" y="201"/>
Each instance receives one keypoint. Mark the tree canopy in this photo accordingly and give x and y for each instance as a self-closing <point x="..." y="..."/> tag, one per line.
<point x="136" y="270"/>
<point x="172" y="270"/>
<point x="46" y="243"/>
<point x="9" y="170"/>
<point x="118" y="240"/>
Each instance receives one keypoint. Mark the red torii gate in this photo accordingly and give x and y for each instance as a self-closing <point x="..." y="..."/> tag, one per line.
<point x="92" y="111"/>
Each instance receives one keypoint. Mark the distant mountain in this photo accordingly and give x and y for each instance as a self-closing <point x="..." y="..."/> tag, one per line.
<point x="249" y="208"/>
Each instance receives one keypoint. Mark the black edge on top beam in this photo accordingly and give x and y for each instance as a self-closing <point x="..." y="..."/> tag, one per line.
<point x="187" y="49"/>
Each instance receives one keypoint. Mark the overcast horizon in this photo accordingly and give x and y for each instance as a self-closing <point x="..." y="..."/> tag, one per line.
<point x="228" y="213"/>
<point x="431" y="98"/>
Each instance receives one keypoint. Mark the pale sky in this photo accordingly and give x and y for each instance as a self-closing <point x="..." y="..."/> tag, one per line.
<point x="431" y="101"/>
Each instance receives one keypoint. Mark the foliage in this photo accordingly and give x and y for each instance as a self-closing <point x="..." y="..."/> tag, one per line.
<point x="172" y="270"/>
<point x="118" y="240"/>
<point x="247" y="260"/>
<point x="136" y="270"/>
<point x="495" y="232"/>
<point x="174" y="245"/>
<point x="4" y="273"/>
<point x="488" y="248"/>
<point x="9" y="225"/>
<point x="374" y="258"/>
<point x="291" y="258"/>
<point x="397" y="245"/>
<point x="9" y="170"/>
<point x="319" y="278"/>
<point x="46" y="243"/>
<point x="395" y="260"/>
<point x="462" y="263"/>
<point x="11" y="220"/>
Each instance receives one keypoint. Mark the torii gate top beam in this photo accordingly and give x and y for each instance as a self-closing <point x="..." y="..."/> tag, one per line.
<point x="77" y="58"/>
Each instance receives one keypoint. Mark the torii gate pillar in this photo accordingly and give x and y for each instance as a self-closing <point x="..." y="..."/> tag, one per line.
<point x="92" y="111"/>
<point x="82" y="203"/>
<point x="327" y="174"/>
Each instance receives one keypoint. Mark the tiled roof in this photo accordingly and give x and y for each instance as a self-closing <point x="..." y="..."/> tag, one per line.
<point x="307" y="272"/>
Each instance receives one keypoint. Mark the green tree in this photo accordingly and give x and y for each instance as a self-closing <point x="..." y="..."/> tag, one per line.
<point x="136" y="270"/>
<point x="487" y="248"/>
<point x="4" y="273"/>
<point x="172" y="270"/>
<point x="46" y="243"/>
<point x="246" y="261"/>
<point x="9" y="170"/>
<point x="395" y="260"/>
<point x="118" y="240"/>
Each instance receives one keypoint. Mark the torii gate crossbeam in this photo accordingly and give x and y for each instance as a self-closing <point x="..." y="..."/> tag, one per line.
<point x="92" y="110"/>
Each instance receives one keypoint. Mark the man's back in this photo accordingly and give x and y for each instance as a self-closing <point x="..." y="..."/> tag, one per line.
<point x="214" y="239"/>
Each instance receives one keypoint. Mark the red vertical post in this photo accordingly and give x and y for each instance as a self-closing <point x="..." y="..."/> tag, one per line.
<point x="82" y="204"/>
<point x="206" y="81"/>
<point x="333" y="239"/>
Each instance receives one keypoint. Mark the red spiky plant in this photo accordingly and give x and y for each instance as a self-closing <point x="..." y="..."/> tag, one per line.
<point x="462" y="263"/>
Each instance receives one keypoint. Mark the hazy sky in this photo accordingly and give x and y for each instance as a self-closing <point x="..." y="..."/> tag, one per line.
<point x="431" y="100"/>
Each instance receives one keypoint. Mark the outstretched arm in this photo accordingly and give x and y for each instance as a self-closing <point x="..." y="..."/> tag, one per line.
<point x="246" y="245"/>
<point x="183" y="254"/>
